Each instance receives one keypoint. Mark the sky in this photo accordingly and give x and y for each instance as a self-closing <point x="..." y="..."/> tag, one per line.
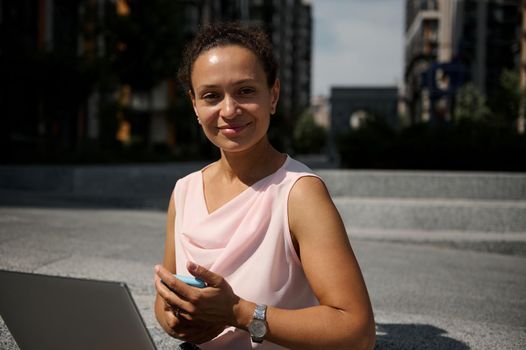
<point x="356" y="42"/>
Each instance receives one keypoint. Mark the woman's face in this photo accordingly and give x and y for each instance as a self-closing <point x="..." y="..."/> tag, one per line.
<point x="231" y="99"/>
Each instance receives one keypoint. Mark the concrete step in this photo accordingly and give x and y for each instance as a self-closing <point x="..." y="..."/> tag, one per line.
<point x="111" y="180"/>
<point x="56" y="199"/>
<point x="433" y="214"/>
<point x="425" y="184"/>
<point x="506" y="243"/>
<point x="144" y="179"/>
<point x="414" y="200"/>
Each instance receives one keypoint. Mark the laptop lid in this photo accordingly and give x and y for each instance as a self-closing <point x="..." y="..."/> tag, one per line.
<point x="50" y="312"/>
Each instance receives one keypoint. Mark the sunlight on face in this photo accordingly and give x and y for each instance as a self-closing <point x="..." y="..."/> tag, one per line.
<point x="213" y="59"/>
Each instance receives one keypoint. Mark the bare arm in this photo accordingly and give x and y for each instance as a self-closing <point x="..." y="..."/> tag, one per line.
<point x="164" y="318"/>
<point x="344" y="318"/>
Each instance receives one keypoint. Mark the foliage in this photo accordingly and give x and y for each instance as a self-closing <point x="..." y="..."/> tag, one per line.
<point x="308" y="137"/>
<point x="368" y="146"/>
<point x="465" y="145"/>
<point x="507" y="99"/>
<point x="279" y="131"/>
<point x="478" y="138"/>
<point x="470" y="104"/>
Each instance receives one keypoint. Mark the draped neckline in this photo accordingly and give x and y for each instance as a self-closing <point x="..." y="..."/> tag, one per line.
<point x="238" y="196"/>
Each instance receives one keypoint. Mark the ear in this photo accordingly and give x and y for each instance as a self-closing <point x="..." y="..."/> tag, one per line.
<point x="192" y="98"/>
<point x="274" y="96"/>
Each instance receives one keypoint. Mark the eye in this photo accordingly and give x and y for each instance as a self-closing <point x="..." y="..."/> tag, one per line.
<point x="246" y="91"/>
<point x="209" y="96"/>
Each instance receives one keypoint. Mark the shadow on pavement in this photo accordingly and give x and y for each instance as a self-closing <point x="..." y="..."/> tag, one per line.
<point x="414" y="336"/>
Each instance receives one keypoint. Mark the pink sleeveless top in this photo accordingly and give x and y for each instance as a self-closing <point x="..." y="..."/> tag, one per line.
<point x="248" y="242"/>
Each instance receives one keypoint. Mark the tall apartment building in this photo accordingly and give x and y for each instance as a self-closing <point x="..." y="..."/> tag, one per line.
<point x="74" y="27"/>
<point x="421" y="48"/>
<point x="449" y="42"/>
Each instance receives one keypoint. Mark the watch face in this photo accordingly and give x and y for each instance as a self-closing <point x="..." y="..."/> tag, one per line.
<point x="257" y="328"/>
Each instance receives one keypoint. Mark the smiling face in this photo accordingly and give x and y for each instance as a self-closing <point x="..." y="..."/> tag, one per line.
<point x="231" y="97"/>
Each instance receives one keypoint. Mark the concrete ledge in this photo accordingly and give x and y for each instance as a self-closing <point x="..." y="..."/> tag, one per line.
<point x="145" y="179"/>
<point x="122" y="180"/>
<point x="425" y="184"/>
<point x="494" y="202"/>
<point x="427" y="214"/>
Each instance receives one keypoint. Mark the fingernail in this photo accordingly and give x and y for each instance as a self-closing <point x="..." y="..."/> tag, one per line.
<point x="156" y="268"/>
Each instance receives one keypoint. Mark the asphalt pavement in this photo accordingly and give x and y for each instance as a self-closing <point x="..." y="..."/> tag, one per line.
<point x="442" y="292"/>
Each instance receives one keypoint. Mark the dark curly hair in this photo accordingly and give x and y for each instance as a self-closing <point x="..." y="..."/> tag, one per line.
<point x="228" y="33"/>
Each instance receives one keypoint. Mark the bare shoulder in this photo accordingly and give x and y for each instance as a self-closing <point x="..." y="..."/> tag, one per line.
<point x="309" y="193"/>
<point x="311" y="209"/>
<point x="308" y="187"/>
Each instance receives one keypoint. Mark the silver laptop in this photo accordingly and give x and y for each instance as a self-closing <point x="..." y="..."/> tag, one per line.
<point x="49" y="312"/>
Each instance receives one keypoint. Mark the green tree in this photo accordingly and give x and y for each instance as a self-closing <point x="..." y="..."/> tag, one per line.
<point x="507" y="100"/>
<point x="509" y="80"/>
<point x="470" y="104"/>
<point x="308" y="136"/>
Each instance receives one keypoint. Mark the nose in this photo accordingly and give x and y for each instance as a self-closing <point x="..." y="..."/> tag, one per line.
<point x="229" y="107"/>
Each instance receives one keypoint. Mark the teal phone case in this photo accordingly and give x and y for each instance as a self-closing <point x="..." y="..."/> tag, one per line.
<point x="191" y="281"/>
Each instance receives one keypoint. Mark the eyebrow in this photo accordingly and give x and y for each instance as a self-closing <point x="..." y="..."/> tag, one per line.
<point x="212" y="86"/>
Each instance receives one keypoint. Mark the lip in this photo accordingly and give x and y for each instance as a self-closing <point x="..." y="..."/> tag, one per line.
<point x="232" y="129"/>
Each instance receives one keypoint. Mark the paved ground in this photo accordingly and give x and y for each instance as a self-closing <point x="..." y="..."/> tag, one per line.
<point x="446" y="291"/>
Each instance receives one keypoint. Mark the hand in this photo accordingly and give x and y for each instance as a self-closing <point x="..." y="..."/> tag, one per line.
<point x="174" y="323"/>
<point x="217" y="301"/>
<point x="195" y="333"/>
<point x="213" y="304"/>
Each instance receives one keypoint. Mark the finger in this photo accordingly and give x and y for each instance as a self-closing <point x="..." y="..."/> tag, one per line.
<point x="176" y="286"/>
<point x="155" y="277"/>
<point x="166" y="276"/>
<point x="162" y="288"/>
<point x="170" y="308"/>
<point x="167" y="307"/>
<point x="179" y="330"/>
<point x="198" y="271"/>
<point x="173" y="300"/>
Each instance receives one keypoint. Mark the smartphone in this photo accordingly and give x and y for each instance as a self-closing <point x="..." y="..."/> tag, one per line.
<point x="191" y="281"/>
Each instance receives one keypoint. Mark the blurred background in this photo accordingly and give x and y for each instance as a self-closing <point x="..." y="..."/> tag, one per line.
<point x="375" y="84"/>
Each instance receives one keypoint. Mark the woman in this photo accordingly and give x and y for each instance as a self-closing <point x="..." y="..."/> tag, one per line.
<point x="258" y="227"/>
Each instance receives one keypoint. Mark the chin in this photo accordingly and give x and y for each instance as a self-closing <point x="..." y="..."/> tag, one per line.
<point x="235" y="145"/>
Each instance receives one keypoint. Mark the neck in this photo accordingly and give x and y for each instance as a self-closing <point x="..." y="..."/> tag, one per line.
<point x="251" y="165"/>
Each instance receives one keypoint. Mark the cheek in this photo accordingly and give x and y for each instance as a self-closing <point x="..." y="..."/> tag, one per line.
<point x="206" y="114"/>
<point x="260" y="108"/>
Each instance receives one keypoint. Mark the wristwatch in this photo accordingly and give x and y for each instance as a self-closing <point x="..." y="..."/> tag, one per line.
<point x="258" y="325"/>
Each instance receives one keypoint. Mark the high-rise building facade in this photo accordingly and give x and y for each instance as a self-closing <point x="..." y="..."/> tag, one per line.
<point x="36" y="105"/>
<point x="421" y="48"/>
<point x="450" y="42"/>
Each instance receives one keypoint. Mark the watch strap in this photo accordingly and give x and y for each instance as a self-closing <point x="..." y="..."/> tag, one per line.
<point x="260" y="313"/>
<point x="258" y="325"/>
